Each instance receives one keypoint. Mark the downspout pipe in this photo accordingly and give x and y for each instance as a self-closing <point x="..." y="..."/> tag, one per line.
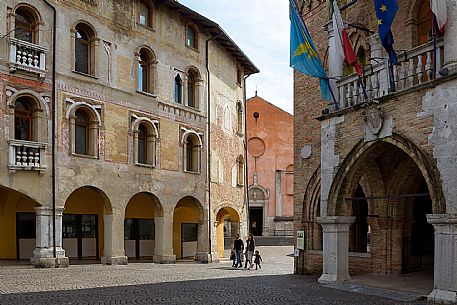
<point x="245" y="140"/>
<point x="53" y="114"/>
<point x="208" y="136"/>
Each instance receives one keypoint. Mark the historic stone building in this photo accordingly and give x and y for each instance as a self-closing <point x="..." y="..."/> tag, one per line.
<point x="375" y="178"/>
<point x="270" y="170"/>
<point x="110" y="113"/>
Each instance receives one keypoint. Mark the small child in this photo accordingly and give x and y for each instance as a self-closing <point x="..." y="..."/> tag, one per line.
<point x="233" y="258"/>
<point x="257" y="260"/>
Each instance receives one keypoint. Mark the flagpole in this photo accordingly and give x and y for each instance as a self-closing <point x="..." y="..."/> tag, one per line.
<point x="304" y="25"/>
<point x="434" y="23"/>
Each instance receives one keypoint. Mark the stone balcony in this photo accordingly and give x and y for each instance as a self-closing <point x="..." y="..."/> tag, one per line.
<point x="28" y="57"/>
<point x="26" y="155"/>
<point x="415" y="67"/>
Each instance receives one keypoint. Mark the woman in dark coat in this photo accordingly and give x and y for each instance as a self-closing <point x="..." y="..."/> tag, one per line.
<point x="250" y="247"/>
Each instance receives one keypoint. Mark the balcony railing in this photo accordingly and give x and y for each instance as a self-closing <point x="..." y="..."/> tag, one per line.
<point x="27" y="56"/>
<point x="414" y="67"/>
<point x="25" y="155"/>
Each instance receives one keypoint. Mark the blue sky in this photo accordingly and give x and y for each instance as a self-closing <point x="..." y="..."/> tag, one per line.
<point x="261" y="29"/>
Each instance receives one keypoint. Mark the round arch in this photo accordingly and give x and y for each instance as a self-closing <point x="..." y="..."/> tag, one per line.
<point x="17" y="224"/>
<point x="227" y="226"/>
<point x="139" y="225"/>
<point x="83" y="223"/>
<point x="189" y="228"/>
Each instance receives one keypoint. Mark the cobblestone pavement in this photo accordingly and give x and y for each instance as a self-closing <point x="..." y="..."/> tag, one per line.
<point x="182" y="283"/>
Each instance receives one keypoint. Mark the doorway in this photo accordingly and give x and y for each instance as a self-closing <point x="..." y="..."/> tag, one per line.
<point x="256" y="220"/>
<point x="80" y="236"/>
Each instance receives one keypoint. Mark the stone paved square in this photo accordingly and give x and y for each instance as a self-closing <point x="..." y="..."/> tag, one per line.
<point x="181" y="283"/>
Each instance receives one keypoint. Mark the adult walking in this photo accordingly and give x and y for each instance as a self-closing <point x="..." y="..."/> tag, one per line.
<point x="238" y="246"/>
<point x="250" y="247"/>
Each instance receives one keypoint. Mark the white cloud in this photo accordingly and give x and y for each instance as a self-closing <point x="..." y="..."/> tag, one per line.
<point x="261" y="30"/>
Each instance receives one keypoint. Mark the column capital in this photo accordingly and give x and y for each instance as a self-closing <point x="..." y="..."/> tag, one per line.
<point x="47" y="211"/>
<point x="336" y="220"/>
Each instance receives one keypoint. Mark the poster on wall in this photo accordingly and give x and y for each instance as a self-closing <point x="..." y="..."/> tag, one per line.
<point x="301" y="240"/>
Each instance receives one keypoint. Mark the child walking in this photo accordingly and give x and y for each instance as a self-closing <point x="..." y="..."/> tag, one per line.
<point x="257" y="260"/>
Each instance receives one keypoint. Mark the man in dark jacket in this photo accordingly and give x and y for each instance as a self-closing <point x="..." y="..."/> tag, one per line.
<point x="238" y="246"/>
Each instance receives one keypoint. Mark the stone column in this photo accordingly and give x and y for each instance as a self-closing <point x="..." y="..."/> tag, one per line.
<point x="335" y="248"/>
<point x="203" y="253"/>
<point x="445" y="259"/>
<point x="113" y="250"/>
<point x="43" y="255"/>
<point x="335" y="62"/>
<point x="163" y="249"/>
<point x="450" y="36"/>
<point x="376" y="57"/>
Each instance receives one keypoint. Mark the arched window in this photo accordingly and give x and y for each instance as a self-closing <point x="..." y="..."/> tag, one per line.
<point x="178" y="89"/>
<point x="142" y="144"/>
<point x="143" y="72"/>
<point x="145" y="13"/>
<point x="84" y="49"/>
<point x="82" y="137"/>
<point x="23" y="114"/>
<point x="191" y="89"/>
<point x="192" y="39"/>
<point x="192" y="154"/>
<point x="239" y="117"/>
<point x="240" y="171"/>
<point x="25" y="28"/>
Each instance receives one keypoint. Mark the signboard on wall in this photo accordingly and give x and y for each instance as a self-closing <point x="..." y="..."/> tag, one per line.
<point x="301" y="240"/>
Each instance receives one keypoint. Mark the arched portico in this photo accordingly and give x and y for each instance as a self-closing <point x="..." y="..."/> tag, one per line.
<point x="83" y="228"/>
<point x="227" y="220"/>
<point x="377" y="205"/>
<point x="17" y="225"/>
<point x="139" y="225"/>
<point x="190" y="230"/>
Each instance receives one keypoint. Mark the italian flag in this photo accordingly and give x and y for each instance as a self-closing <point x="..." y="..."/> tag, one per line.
<point x="342" y="42"/>
<point x="439" y="9"/>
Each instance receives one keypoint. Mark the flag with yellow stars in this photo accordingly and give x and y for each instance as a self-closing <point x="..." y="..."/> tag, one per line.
<point x="303" y="54"/>
<point x="385" y="14"/>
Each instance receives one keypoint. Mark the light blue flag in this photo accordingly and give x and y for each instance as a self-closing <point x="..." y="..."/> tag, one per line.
<point x="303" y="54"/>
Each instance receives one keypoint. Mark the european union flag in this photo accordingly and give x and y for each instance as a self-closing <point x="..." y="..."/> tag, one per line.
<point x="303" y="54"/>
<point x="385" y="12"/>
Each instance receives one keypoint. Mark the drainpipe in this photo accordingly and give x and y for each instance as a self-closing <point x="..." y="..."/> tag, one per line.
<point x="208" y="136"/>
<point x="246" y="178"/>
<point x="53" y="114"/>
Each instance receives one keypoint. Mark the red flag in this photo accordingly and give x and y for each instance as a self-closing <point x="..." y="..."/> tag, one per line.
<point x="343" y="44"/>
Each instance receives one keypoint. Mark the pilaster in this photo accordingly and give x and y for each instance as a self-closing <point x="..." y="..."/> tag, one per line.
<point x="445" y="264"/>
<point x="335" y="248"/>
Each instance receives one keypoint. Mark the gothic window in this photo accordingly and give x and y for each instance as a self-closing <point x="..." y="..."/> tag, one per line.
<point x="191" y="89"/>
<point x="25" y="25"/>
<point x="178" y="89"/>
<point x="84" y="49"/>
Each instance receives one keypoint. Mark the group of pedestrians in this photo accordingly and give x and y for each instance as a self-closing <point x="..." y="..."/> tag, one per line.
<point x="249" y="254"/>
